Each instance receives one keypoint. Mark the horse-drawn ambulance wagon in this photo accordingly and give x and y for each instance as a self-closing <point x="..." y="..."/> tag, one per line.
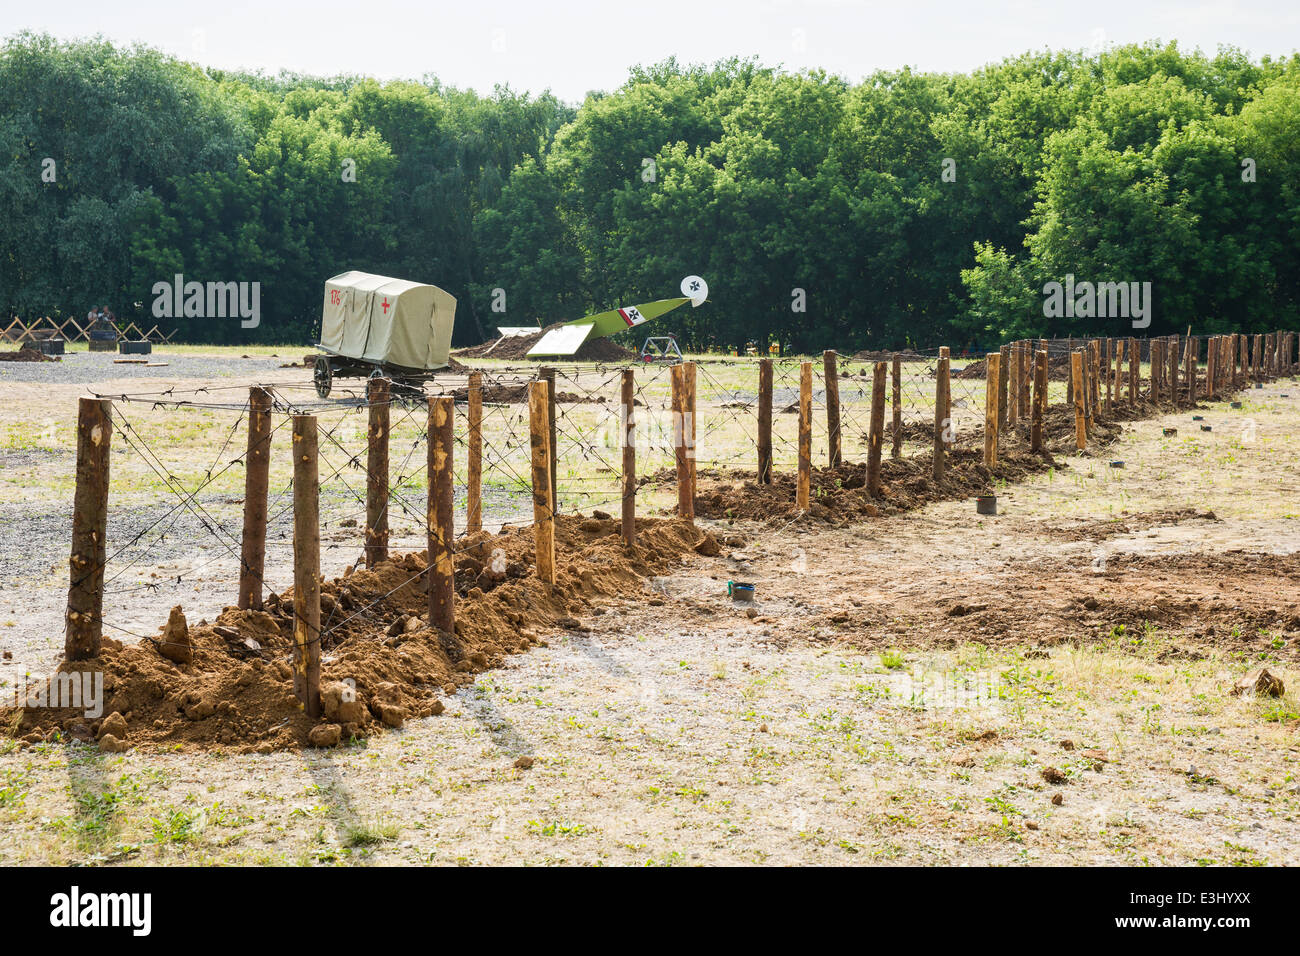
<point x="373" y="326"/>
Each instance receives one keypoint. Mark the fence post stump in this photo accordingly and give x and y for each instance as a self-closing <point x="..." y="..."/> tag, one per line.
<point x="803" y="490"/>
<point x="306" y="565"/>
<point x="765" y="421"/>
<point x="83" y="626"/>
<point x="543" y="515"/>
<point x="877" y="429"/>
<point x="896" y="406"/>
<point x="992" y="407"/>
<point x="1040" y="401"/>
<point x="257" y="480"/>
<point x="627" y="432"/>
<point x="942" y="421"/>
<point x="474" y="455"/>
<point x="830" y="371"/>
<point x="379" y="395"/>
<point x="1076" y="376"/>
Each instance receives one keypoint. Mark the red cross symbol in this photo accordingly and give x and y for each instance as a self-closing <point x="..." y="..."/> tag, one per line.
<point x="385" y="305"/>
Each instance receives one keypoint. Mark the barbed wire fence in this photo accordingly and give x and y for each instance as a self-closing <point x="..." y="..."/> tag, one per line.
<point x="188" y="525"/>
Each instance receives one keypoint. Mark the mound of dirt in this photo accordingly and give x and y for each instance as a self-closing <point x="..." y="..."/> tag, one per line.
<point x="517" y="348"/>
<point x="385" y="663"/>
<point x="26" y="355"/>
<point x="1058" y="369"/>
<point x="839" y="495"/>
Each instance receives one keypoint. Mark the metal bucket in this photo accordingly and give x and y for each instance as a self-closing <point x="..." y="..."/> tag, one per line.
<point x="741" y="591"/>
<point x="986" y="505"/>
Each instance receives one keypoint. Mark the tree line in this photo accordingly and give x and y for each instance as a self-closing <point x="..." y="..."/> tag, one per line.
<point x="907" y="209"/>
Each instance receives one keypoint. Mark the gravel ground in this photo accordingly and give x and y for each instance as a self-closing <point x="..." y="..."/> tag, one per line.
<point x="83" y="368"/>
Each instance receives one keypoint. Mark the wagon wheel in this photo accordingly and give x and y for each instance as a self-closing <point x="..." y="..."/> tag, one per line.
<point x="323" y="376"/>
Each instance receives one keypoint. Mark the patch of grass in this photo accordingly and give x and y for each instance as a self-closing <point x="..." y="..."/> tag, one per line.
<point x="370" y="832"/>
<point x="177" y="826"/>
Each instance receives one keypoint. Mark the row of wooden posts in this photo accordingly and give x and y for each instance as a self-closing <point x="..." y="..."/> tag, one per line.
<point x="1015" y="389"/>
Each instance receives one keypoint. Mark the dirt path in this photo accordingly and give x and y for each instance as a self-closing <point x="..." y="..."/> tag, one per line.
<point x="919" y="688"/>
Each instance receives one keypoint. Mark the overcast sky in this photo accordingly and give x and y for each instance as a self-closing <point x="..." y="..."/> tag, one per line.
<point x="572" y="46"/>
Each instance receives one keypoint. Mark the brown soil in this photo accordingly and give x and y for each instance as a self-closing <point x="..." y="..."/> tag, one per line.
<point x="26" y="355"/>
<point x="840" y="497"/>
<point x="239" y="695"/>
<point x="594" y="350"/>
<point x="1058" y="369"/>
<point x="1213" y="603"/>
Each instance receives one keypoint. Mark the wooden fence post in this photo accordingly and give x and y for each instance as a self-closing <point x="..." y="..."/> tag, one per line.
<point x="257" y="480"/>
<point x="1118" y="383"/>
<point x="765" y="421"/>
<point x="306" y="565"/>
<point x="896" y="404"/>
<point x="1173" y="369"/>
<point x="440" y="524"/>
<point x="1211" y="364"/>
<point x="543" y="515"/>
<point x="1013" y="383"/>
<point x="1080" y="424"/>
<point x="946" y="353"/>
<point x="992" y="405"/>
<point x="877" y="429"/>
<point x="1040" y="401"/>
<point x="627" y="431"/>
<point x="831" y="373"/>
<point x="1069" y="379"/>
<point x="1134" y="368"/>
<point x="1004" y="363"/>
<point x="1107" y="381"/>
<point x="941" y="416"/>
<point x="1092" y="372"/>
<point x="474" y="454"/>
<point x="689" y="427"/>
<point x="803" y="490"/>
<point x="681" y="438"/>
<point x="1193" y="359"/>
<point x="379" y="395"/>
<point x="84" y="626"/>
<point x="553" y="486"/>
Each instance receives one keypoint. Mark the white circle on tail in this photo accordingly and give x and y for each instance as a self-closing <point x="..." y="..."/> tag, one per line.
<point x="695" y="289"/>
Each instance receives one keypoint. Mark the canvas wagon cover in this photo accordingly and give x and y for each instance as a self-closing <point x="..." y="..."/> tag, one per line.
<point x="382" y="319"/>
